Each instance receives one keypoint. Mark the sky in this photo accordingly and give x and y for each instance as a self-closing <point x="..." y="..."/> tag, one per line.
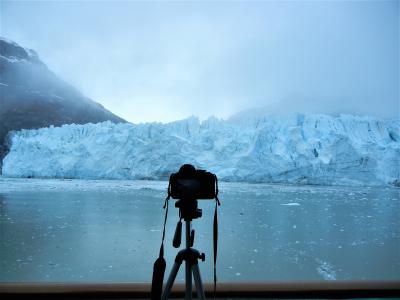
<point x="167" y="60"/>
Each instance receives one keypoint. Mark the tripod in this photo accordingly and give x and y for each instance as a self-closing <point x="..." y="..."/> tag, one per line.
<point x="190" y="256"/>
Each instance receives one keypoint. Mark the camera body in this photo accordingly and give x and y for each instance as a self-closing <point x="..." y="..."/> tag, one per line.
<point x="190" y="183"/>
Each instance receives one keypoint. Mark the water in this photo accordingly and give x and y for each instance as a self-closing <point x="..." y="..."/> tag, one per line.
<point x="80" y="230"/>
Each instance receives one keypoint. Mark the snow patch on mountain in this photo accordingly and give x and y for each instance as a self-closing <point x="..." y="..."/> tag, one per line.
<point x="13" y="52"/>
<point x="305" y="149"/>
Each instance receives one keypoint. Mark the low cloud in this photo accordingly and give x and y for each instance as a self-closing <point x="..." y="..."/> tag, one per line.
<point x="160" y="61"/>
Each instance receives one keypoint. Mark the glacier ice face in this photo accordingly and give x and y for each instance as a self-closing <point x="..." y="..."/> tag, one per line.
<point x="306" y="149"/>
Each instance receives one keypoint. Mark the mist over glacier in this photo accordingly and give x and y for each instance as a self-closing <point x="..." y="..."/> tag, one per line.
<point x="298" y="148"/>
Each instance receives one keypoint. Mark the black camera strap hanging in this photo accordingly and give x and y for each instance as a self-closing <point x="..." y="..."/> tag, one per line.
<point x="160" y="264"/>
<point x="215" y="234"/>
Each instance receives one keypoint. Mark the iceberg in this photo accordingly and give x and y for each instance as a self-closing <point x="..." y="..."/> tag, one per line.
<point x="296" y="149"/>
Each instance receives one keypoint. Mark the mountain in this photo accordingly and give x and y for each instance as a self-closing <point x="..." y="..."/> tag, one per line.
<point x="300" y="149"/>
<point x="32" y="96"/>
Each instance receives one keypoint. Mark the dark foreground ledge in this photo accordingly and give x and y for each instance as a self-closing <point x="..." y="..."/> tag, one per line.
<point x="310" y="289"/>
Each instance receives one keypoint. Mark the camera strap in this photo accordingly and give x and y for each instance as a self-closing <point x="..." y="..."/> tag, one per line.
<point x="215" y="233"/>
<point x="160" y="265"/>
<point x="165" y="218"/>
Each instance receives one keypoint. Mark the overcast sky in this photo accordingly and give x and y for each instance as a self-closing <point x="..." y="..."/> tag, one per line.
<point x="162" y="61"/>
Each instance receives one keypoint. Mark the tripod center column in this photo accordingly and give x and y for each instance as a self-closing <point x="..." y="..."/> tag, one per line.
<point x="188" y="245"/>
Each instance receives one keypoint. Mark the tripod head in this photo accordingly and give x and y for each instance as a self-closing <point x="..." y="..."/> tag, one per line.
<point x="188" y="209"/>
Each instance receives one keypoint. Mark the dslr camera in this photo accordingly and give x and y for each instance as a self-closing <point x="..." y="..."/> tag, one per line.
<point x="192" y="184"/>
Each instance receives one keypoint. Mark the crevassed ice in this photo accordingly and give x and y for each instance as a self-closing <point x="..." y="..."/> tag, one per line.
<point x="309" y="149"/>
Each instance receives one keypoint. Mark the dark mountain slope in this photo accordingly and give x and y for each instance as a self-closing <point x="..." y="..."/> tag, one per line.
<point x="32" y="96"/>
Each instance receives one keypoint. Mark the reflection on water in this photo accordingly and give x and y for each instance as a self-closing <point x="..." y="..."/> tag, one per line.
<point x="111" y="231"/>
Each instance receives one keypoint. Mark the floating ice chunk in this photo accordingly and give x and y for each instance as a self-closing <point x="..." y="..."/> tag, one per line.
<point x="291" y="204"/>
<point x="326" y="270"/>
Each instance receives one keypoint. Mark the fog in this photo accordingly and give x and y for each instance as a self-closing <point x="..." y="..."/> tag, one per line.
<point x="162" y="61"/>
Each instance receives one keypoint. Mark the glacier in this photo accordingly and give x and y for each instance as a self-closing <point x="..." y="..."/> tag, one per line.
<point x="297" y="149"/>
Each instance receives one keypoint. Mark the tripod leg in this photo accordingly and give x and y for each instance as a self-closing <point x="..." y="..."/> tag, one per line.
<point x="188" y="275"/>
<point x="198" y="283"/>
<point x="170" y="281"/>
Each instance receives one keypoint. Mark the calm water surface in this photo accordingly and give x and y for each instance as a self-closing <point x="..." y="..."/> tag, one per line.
<point x="80" y="230"/>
